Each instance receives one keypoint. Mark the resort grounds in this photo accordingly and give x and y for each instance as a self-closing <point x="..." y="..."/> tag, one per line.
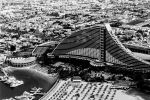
<point x="72" y="90"/>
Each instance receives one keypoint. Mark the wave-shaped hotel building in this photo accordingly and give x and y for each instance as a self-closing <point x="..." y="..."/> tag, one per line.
<point x="99" y="44"/>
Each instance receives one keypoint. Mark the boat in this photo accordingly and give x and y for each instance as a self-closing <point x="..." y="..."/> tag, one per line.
<point x="25" y="96"/>
<point x="16" y="83"/>
<point x="11" y="80"/>
<point x="3" y="78"/>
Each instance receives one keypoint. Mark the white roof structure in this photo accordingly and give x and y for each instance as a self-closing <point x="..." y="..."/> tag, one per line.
<point x="23" y="60"/>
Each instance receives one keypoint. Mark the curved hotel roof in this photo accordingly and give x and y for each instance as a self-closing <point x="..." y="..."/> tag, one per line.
<point x="100" y="43"/>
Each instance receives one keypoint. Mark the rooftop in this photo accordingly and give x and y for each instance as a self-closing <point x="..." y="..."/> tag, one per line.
<point x="23" y="60"/>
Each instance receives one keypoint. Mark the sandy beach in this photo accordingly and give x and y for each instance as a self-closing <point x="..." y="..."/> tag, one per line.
<point x="121" y="95"/>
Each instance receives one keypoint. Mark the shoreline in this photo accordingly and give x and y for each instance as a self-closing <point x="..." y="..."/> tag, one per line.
<point x="50" y="90"/>
<point x="11" y="69"/>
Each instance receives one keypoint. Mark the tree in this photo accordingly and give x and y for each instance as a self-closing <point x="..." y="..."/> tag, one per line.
<point x="56" y="14"/>
<point x="12" y="47"/>
<point x="86" y="77"/>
